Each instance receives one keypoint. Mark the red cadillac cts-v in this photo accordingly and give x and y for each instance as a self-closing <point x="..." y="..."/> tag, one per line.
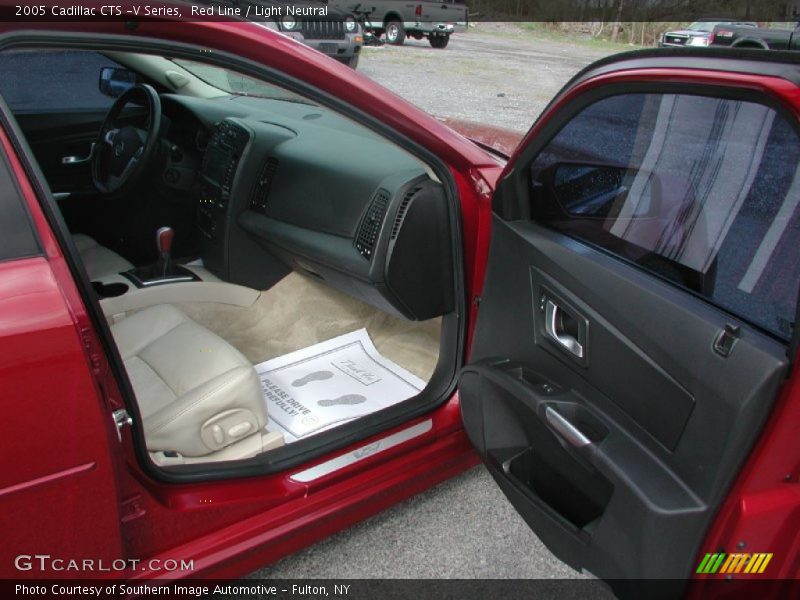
<point x="249" y="298"/>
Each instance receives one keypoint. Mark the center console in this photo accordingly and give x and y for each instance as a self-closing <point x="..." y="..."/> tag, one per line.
<point x="165" y="282"/>
<point x="218" y="174"/>
<point x="118" y="295"/>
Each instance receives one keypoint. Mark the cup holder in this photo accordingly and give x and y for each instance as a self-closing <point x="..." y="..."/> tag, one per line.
<point x="109" y="290"/>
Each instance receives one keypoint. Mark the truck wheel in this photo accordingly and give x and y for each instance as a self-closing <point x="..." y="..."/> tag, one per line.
<point x="395" y="33"/>
<point x="439" y="41"/>
<point x="353" y="61"/>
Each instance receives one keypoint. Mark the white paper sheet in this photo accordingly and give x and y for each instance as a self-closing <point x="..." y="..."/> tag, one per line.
<point x="330" y="383"/>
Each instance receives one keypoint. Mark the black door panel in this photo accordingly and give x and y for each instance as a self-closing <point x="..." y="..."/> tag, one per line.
<point x="618" y="460"/>
<point x="53" y="136"/>
<point x="606" y="352"/>
<point x="42" y="125"/>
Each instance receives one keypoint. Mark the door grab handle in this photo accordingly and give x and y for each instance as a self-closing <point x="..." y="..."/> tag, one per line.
<point x="565" y="429"/>
<point x="566" y="341"/>
<point x="78" y="160"/>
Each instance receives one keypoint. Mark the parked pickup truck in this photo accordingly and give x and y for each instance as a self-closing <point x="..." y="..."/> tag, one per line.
<point x="699" y="32"/>
<point x="398" y="19"/>
<point x="766" y="39"/>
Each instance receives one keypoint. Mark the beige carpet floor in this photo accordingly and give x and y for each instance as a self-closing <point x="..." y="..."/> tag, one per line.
<point x="298" y="312"/>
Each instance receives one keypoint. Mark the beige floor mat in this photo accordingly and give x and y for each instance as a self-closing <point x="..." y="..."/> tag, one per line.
<point x="298" y="312"/>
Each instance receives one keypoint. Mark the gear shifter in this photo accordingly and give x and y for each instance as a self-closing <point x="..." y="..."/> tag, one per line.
<point x="164" y="237"/>
<point x="163" y="271"/>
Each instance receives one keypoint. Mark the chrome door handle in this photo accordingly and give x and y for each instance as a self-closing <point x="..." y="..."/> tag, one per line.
<point x="78" y="160"/>
<point x="566" y="341"/>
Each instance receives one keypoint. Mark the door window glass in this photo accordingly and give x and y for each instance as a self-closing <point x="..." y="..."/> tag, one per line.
<point x="702" y="191"/>
<point x="53" y="81"/>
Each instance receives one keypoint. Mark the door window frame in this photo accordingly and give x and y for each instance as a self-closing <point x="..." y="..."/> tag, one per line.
<point x="17" y="230"/>
<point x="279" y="460"/>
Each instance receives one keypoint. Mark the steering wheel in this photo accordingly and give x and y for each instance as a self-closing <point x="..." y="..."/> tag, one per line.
<point x="122" y="153"/>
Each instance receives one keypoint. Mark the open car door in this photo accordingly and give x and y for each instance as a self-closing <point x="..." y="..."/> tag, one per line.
<point x="637" y="314"/>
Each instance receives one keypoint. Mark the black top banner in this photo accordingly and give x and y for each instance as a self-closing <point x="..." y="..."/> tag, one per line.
<point x="761" y="12"/>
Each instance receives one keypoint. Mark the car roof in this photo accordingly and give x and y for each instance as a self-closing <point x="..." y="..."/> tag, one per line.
<point x="783" y="64"/>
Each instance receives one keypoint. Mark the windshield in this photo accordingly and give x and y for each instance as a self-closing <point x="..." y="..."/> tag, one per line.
<point x="704" y="25"/>
<point x="238" y="84"/>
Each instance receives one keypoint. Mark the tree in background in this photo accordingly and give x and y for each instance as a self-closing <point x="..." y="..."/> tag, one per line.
<point x="640" y="22"/>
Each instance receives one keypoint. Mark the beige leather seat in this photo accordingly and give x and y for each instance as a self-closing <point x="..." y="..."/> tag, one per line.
<point x="98" y="260"/>
<point x="198" y="396"/>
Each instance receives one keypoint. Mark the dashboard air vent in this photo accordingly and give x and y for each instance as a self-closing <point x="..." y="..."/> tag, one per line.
<point x="258" y="201"/>
<point x="401" y="212"/>
<point x="370" y="225"/>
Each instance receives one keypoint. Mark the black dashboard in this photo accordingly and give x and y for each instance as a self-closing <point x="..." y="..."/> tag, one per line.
<point x="325" y="197"/>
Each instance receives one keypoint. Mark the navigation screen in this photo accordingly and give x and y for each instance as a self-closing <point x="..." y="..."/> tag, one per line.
<point x="214" y="163"/>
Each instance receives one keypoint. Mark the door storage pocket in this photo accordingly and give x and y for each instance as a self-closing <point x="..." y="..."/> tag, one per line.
<point x="538" y="441"/>
<point x="577" y="493"/>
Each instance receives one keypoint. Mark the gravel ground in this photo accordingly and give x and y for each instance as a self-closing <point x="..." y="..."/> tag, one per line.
<point x="496" y="73"/>
<point x="465" y="528"/>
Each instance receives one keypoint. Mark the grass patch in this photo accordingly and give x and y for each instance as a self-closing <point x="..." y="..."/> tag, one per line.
<point x="544" y="32"/>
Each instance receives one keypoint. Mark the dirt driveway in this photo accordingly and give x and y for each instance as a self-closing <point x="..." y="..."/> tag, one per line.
<point x="496" y="73"/>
